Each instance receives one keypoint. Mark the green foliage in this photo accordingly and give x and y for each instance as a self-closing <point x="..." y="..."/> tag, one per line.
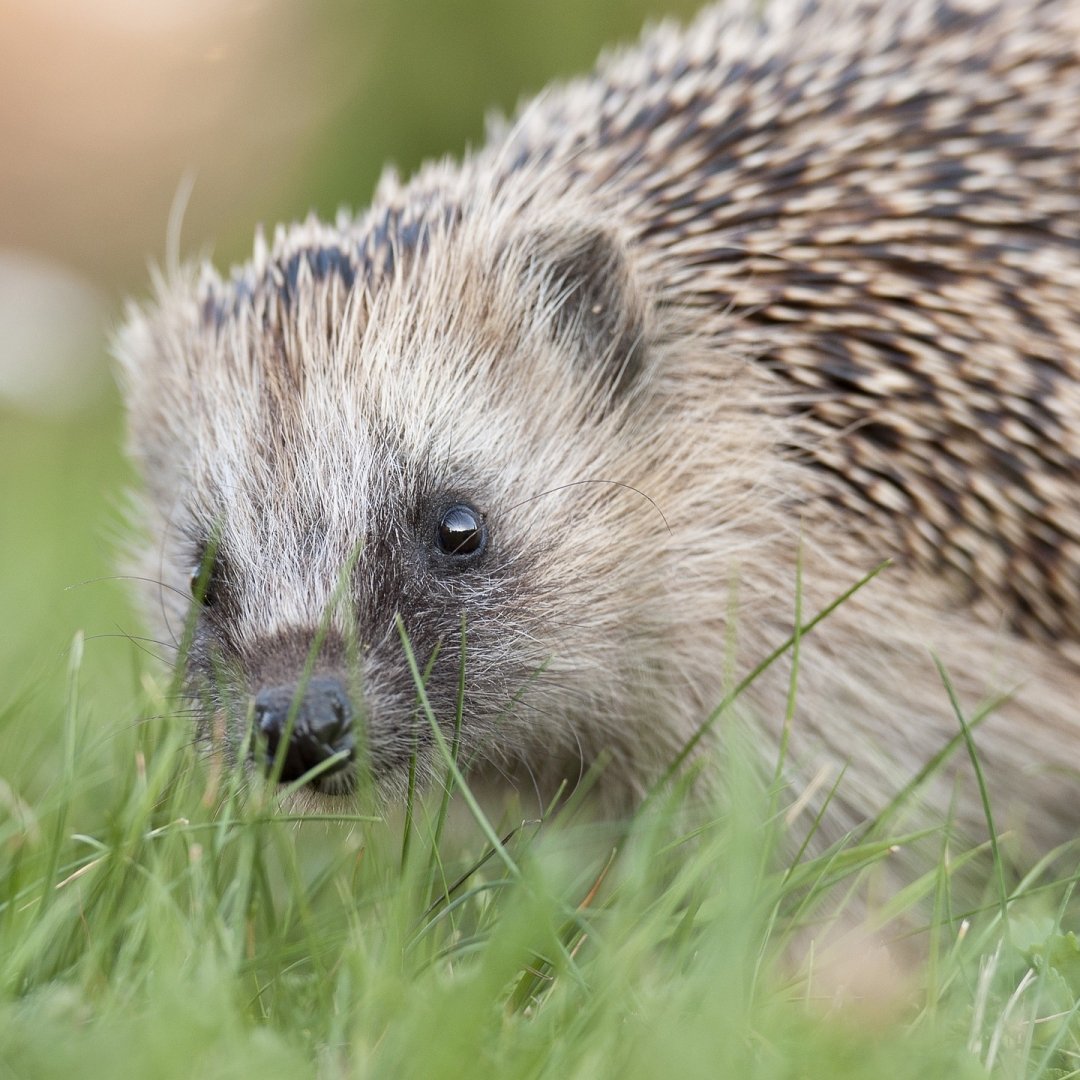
<point x="174" y="920"/>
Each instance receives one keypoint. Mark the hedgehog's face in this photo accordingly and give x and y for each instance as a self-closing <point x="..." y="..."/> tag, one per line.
<point x="355" y="493"/>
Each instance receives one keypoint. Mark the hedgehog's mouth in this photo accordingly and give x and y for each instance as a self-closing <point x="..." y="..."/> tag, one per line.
<point x="339" y="778"/>
<point x="333" y="774"/>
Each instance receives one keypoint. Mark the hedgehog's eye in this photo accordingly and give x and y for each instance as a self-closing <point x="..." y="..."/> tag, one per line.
<point x="205" y="580"/>
<point x="461" y="531"/>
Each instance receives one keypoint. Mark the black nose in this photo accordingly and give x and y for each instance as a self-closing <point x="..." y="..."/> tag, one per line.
<point x="321" y="725"/>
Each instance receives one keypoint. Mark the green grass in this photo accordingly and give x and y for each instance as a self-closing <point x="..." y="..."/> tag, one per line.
<point x="157" y="921"/>
<point x="162" y="918"/>
<point x="193" y="931"/>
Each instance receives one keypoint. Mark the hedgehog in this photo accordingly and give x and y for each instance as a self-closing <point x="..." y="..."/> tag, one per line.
<point x="580" y="427"/>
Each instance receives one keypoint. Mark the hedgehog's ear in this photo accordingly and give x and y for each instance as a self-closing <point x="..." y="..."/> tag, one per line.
<point x="581" y="278"/>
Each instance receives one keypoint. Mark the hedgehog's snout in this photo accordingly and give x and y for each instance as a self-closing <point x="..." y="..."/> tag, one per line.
<point x="318" y="719"/>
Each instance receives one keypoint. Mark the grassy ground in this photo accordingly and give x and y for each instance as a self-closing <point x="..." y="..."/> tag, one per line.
<point x="153" y="920"/>
<point x="153" y="923"/>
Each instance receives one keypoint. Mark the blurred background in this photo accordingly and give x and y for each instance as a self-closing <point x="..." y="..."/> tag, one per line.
<point x="266" y="109"/>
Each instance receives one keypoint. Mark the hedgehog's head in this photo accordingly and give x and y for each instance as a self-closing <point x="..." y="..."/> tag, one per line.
<point x="422" y="430"/>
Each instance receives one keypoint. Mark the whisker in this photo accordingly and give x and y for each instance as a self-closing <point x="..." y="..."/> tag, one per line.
<point x="137" y="642"/>
<point x="125" y="577"/>
<point x="577" y="483"/>
<point x="135" y="638"/>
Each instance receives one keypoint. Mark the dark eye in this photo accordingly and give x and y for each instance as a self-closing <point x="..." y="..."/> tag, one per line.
<point x="461" y="531"/>
<point x="205" y="580"/>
